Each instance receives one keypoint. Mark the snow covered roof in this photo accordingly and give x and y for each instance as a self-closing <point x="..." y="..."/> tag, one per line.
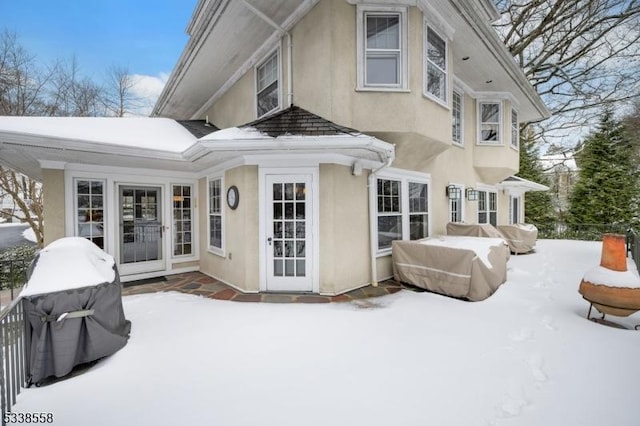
<point x="30" y="144"/>
<point x="521" y="184"/>
<point x="565" y="160"/>
<point x="162" y="134"/>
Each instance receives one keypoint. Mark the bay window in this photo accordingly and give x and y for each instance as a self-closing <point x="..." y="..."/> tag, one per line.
<point x="489" y="114"/>
<point x="436" y="65"/>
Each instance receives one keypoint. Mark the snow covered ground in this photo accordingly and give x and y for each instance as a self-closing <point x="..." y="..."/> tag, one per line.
<point x="525" y="356"/>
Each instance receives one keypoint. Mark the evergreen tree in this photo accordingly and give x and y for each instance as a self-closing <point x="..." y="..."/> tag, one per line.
<point x="538" y="207"/>
<point x="607" y="189"/>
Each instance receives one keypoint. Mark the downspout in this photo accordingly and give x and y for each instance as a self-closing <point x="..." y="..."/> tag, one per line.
<point x="373" y="229"/>
<point x="282" y="32"/>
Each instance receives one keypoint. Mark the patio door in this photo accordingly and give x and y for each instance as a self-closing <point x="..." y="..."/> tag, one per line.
<point x="141" y="230"/>
<point x="289" y="257"/>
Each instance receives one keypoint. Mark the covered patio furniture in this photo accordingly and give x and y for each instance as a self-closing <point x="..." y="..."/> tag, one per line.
<point x="521" y="237"/>
<point x="469" y="268"/>
<point x="473" y="230"/>
<point x="73" y="305"/>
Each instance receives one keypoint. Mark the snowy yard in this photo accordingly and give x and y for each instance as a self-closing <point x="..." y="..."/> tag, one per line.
<point x="525" y="356"/>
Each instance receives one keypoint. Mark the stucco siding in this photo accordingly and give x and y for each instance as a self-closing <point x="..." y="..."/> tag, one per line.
<point x="53" y="198"/>
<point x="344" y="230"/>
<point x="240" y="264"/>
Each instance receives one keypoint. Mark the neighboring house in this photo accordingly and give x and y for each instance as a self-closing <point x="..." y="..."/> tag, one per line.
<point x="344" y="125"/>
<point x="562" y="171"/>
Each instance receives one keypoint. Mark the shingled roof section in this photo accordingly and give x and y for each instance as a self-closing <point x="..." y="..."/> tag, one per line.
<point x="295" y="121"/>
<point x="198" y="128"/>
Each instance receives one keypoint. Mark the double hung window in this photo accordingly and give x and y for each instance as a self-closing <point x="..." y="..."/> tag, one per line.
<point x="436" y="66"/>
<point x="456" y="124"/>
<point x="267" y="76"/>
<point x="488" y="207"/>
<point x="402" y="210"/>
<point x="489" y="116"/>
<point x="382" y="35"/>
<point x="515" y="130"/>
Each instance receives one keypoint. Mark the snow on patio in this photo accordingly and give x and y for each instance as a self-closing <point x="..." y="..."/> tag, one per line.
<point x="525" y="356"/>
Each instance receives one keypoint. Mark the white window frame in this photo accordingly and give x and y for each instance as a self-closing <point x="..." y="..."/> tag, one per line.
<point x="75" y="181"/>
<point x="404" y="178"/>
<point x="515" y="130"/>
<point x="275" y="52"/>
<point x="220" y="251"/>
<point x="460" y="93"/>
<point x="488" y="210"/>
<point x="520" y="218"/>
<point x="500" y="138"/>
<point x="362" y="12"/>
<point x="192" y="210"/>
<point x="462" y="203"/>
<point x="426" y="62"/>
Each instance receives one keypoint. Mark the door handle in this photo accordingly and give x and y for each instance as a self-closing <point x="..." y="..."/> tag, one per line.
<point x="269" y="240"/>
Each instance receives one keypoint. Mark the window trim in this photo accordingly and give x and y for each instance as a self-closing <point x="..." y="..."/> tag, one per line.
<point x="515" y="130"/>
<point x="460" y="93"/>
<point x="274" y="52"/>
<point x="426" y="61"/>
<point x="500" y="139"/>
<point x="404" y="178"/>
<point x="362" y="12"/>
<point x="220" y="251"/>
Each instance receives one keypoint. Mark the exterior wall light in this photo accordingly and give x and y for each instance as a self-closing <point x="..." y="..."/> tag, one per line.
<point x="453" y="192"/>
<point x="472" y="194"/>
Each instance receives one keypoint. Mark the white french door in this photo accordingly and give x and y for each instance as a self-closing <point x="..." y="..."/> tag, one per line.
<point x="140" y="231"/>
<point x="289" y="237"/>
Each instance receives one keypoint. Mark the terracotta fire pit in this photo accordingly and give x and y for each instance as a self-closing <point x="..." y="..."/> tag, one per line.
<point x="611" y="287"/>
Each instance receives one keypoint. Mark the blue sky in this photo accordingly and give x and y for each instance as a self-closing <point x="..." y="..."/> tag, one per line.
<point x="145" y="36"/>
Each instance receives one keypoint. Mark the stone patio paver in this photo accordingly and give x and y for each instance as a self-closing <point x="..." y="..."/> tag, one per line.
<point x="203" y="285"/>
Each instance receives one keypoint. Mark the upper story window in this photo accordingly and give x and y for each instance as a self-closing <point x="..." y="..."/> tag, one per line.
<point x="436" y="66"/>
<point x="515" y="129"/>
<point x="267" y="85"/>
<point x="489" y="114"/>
<point x="382" y="47"/>
<point x="457" y="117"/>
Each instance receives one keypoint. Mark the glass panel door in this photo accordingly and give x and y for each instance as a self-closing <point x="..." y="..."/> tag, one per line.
<point x="288" y="233"/>
<point x="141" y="231"/>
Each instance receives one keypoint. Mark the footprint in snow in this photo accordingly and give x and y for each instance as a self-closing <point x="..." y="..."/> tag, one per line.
<point x="548" y="322"/>
<point x="522" y="335"/>
<point x="536" y="364"/>
<point x="512" y="405"/>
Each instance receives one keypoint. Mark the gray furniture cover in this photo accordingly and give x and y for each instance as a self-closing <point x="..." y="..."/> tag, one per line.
<point x="452" y="269"/>
<point x="521" y="237"/>
<point x="94" y="326"/>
